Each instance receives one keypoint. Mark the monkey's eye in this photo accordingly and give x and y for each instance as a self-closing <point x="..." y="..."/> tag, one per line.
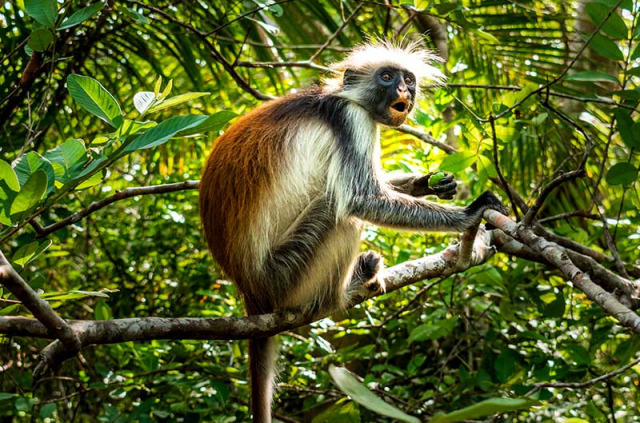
<point x="386" y="76"/>
<point x="409" y="80"/>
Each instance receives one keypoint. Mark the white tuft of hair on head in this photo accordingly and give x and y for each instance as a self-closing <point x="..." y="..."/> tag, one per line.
<point x="412" y="56"/>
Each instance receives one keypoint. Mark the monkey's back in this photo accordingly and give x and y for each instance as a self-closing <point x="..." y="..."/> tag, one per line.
<point x="259" y="181"/>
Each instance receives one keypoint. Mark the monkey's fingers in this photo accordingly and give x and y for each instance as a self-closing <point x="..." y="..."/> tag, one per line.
<point x="447" y="191"/>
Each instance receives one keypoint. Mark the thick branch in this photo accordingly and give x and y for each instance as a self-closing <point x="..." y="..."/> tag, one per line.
<point x="555" y="255"/>
<point x="90" y="332"/>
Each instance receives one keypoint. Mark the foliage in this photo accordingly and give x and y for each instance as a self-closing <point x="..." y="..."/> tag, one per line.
<point x="86" y="111"/>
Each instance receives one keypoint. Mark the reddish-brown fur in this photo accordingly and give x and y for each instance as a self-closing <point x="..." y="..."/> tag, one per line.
<point x="238" y="172"/>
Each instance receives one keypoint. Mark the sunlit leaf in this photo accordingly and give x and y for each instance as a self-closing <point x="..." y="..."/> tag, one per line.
<point x="458" y="161"/>
<point x="164" y="131"/>
<point x="31" y="193"/>
<point x="363" y="396"/>
<point x="95" y="99"/>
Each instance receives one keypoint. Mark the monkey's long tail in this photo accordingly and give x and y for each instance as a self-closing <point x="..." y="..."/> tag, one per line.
<point x="262" y="360"/>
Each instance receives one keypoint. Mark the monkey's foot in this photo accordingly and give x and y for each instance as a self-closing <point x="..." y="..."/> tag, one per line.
<point x="365" y="275"/>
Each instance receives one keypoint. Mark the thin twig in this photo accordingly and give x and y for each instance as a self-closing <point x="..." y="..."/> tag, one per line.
<point x="336" y="33"/>
<point x="121" y="195"/>
<point x="585" y="384"/>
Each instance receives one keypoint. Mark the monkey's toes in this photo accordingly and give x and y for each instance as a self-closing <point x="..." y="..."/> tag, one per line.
<point x="376" y="285"/>
<point x="369" y="264"/>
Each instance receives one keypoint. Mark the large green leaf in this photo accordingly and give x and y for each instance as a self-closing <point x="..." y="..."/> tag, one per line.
<point x="458" y="162"/>
<point x="81" y="15"/>
<point x="164" y="131"/>
<point x="65" y="157"/>
<point x="95" y="99"/>
<point x="31" y="193"/>
<point x="214" y="123"/>
<point x="614" y="26"/>
<point x="45" y="12"/>
<point x="592" y="76"/>
<point x="31" y="162"/>
<point x="486" y="408"/>
<point x="605" y="47"/>
<point x="622" y="174"/>
<point x="363" y="396"/>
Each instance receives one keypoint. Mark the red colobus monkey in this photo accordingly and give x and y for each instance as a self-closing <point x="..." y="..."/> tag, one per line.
<point x="288" y="188"/>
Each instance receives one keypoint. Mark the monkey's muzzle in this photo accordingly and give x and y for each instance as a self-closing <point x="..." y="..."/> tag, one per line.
<point x="399" y="110"/>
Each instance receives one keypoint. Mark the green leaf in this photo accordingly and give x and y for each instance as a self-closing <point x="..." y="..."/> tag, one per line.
<point x="143" y="100"/>
<point x="31" y="193"/>
<point x="164" y="131"/>
<point x="486" y="408"/>
<point x="174" y="101"/>
<point x="505" y="365"/>
<point x="40" y="39"/>
<point x="45" y="12"/>
<point x="47" y="410"/>
<point x="614" y="26"/>
<point x="625" y="126"/>
<point x="592" y="76"/>
<point x="95" y="179"/>
<point x="433" y="330"/>
<point x="622" y="174"/>
<point x="363" y="396"/>
<point x="95" y="99"/>
<point x="605" y="47"/>
<point x="8" y="175"/>
<point x="31" y="162"/>
<point x="213" y="123"/>
<point x="579" y="354"/>
<point x="81" y="15"/>
<point x="6" y="396"/>
<point x="65" y="156"/>
<point x="342" y="411"/>
<point x="485" y="164"/>
<point x="27" y="253"/>
<point x="458" y="161"/>
<point x="102" y="311"/>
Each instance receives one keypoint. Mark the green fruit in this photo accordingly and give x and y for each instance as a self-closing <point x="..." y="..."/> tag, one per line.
<point x="436" y="178"/>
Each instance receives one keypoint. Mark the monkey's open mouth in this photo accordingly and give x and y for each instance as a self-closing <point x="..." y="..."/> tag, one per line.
<point x="401" y="105"/>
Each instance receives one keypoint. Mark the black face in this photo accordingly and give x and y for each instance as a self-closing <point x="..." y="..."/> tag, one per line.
<point x="391" y="96"/>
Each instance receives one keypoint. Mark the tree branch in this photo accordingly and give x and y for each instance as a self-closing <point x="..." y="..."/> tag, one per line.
<point x="52" y="324"/>
<point x="90" y="332"/>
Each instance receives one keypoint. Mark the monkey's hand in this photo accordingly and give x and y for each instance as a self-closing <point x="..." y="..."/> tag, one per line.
<point x="445" y="188"/>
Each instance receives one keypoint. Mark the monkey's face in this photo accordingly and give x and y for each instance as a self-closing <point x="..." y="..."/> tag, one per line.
<point x="393" y="96"/>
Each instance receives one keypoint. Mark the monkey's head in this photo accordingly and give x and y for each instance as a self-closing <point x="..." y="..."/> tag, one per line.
<point x="385" y="79"/>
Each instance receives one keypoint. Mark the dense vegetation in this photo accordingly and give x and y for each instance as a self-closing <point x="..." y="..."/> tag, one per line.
<point x="99" y="97"/>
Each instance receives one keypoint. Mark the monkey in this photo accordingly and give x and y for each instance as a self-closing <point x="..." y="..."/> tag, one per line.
<point x="287" y="189"/>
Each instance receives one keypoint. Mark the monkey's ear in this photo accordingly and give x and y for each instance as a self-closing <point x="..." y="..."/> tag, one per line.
<point x="350" y="77"/>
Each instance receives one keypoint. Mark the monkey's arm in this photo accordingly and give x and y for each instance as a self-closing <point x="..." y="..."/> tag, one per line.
<point x="417" y="185"/>
<point x="386" y="208"/>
